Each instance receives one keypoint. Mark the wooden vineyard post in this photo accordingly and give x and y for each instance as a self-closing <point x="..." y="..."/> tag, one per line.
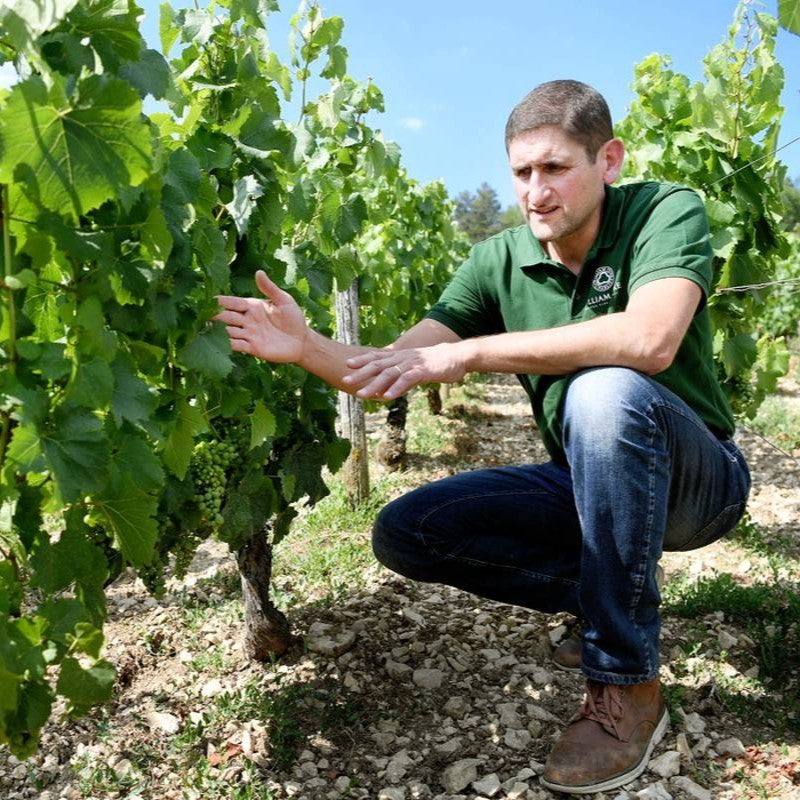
<point x="355" y="472"/>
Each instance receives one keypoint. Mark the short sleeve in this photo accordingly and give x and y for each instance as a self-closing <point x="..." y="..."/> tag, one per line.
<point x="466" y="306"/>
<point x="674" y="242"/>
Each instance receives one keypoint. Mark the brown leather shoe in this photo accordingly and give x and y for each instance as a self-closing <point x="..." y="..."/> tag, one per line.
<point x="567" y="655"/>
<point x="609" y="741"/>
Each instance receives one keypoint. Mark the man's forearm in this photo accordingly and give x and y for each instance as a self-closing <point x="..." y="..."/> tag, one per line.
<point x="327" y="359"/>
<point x="560" y="351"/>
<point x="646" y="337"/>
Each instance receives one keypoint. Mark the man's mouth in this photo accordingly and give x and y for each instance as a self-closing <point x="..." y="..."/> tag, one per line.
<point x="543" y="211"/>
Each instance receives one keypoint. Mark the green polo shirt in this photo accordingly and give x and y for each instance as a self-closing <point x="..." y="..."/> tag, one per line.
<point x="648" y="231"/>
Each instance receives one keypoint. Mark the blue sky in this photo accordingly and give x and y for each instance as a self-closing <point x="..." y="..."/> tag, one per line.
<point x="451" y="71"/>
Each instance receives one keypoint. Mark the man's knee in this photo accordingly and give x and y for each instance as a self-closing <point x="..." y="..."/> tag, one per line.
<point x="384" y="533"/>
<point x="601" y="401"/>
<point x="393" y="539"/>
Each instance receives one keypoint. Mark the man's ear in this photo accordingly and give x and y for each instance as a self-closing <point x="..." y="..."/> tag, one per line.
<point x="612" y="154"/>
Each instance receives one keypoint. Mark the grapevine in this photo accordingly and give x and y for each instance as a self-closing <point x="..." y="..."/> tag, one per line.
<point x="685" y="133"/>
<point x="129" y="433"/>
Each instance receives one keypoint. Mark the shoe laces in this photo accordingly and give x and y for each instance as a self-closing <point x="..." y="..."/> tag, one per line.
<point x="603" y="704"/>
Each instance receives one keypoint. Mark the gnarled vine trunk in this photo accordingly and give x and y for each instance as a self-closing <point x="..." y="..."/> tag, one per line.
<point x="391" y="450"/>
<point x="267" y="630"/>
<point x="434" y="397"/>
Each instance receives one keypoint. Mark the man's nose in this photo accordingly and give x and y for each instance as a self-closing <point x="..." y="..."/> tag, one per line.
<point x="538" y="188"/>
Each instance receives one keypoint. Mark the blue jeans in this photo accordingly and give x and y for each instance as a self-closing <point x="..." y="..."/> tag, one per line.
<point x="644" y="474"/>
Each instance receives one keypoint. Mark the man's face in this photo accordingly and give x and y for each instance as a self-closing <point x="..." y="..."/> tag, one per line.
<point x="559" y="190"/>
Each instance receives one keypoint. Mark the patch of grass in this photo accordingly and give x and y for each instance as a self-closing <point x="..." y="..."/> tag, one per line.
<point x="195" y="611"/>
<point x="95" y="775"/>
<point x="212" y="660"/>
<point x="770" y="615"/>
<point x="334" y="512"/>
<point x="674" y="698"/>
<point x="204" y="781"/>
<point x="779" y="421"/>
<point x="428" y="435"/>
<point x="326" y="554"/>
<point x="779" y="551"/>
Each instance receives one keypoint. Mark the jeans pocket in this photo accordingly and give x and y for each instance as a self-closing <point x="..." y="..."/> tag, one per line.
<point x="723" y="523"/>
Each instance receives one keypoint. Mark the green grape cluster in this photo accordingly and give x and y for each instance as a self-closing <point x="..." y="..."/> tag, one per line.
<point x="210" y="464"/>
<point x="183" y="552"/>
<point x="741" y="394"/>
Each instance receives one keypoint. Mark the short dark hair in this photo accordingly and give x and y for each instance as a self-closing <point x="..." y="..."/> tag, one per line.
<point x="578" y="109"/>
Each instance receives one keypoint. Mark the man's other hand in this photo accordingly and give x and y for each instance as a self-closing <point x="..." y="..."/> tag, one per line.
<point x="387" y="374"/>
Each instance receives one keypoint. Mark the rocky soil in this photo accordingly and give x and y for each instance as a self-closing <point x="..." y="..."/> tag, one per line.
<point x="401" y="691"/>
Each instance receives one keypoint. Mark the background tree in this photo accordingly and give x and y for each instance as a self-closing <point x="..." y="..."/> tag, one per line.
<point x="511" y="217"/>
<point x="479" y="215"/>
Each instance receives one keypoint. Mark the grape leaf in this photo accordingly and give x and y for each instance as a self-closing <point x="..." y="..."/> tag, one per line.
<point x="72" y="558"/>
<point x="91" y="385"/>
<point x="209" y="245"/>
<point x="25" y="451"/>
<point x="262" y="424"/>
<point x="85" y="687"/>
<point x="20" y="727"/>
<point x="301" y="473"/>
<point x="24" y="20"/>
<point x="128" y="513"/>
<point x="178" y="449"/>
<point x="247" y="508"/>
<point x="70" y="158"/>
<point x="132" y="399"/>
<point x="209" y="352"/>
<point x="135" y="457"/>
<point x="150" y="74"/>
<point x="77" y="453"/>
<point x="246" y="192"/>
<point x="111" y="28"/>
<point x="789" y="15"/>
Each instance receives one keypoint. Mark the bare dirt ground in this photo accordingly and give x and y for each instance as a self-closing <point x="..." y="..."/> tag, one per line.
<point x="399" y="690"/>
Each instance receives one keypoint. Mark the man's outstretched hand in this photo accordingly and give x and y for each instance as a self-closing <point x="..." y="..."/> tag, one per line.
<point x="273" y="329"/>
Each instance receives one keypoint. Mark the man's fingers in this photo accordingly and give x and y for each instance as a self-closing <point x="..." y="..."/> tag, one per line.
<point x="236" y="332"/>
<point x="270" y="289"/>
<point x="231" y="303"/>
<point x="365" y="358"/>
<point x="370" y="370"/>
<point x="241" y="345"/>
<point x="234" y="318"/>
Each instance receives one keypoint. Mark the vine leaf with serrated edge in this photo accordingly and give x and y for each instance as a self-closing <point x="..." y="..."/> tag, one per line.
<point x="67" y="157"/>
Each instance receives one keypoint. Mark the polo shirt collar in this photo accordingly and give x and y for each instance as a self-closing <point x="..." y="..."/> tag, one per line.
<point x="531" y="253"/>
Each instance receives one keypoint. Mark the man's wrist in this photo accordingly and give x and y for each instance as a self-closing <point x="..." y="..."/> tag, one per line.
<point x="311" y="350"/>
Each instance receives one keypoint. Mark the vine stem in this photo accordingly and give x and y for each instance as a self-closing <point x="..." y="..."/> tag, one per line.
<point x="5" y="433"/>
<point x="310" y="14"/>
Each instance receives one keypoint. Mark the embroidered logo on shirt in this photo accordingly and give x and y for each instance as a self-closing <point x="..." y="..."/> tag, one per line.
<point x="603" y="279"/>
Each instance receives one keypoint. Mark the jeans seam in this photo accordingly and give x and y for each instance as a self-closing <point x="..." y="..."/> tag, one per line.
<point x="642" y="576"/>
<point x="538" y="575"/>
